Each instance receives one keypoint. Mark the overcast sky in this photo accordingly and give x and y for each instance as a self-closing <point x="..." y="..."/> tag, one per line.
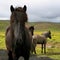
<point x="37" y="10"/>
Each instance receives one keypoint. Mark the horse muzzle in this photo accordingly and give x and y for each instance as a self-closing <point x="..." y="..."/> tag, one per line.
<point x="19" y="42"/>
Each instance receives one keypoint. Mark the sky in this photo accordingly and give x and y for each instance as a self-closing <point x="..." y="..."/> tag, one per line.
<point x="37" y="10"/>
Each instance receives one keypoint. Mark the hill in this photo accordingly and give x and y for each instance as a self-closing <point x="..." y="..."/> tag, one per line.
<point x="43" y="26"/>
<point x="53" y="45"/>
<point x="39" y="26"/>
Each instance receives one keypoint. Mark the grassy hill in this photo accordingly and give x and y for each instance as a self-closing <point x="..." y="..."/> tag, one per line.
<point x="43" y="26"/>
<point x="3" y="25"/>
<point x="39" y="26"/>
<point x="53" y="50"/>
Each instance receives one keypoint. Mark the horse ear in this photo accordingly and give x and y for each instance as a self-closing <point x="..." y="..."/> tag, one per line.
<point x="11" y="8"/>
<point x="31" y="27"/>
<point x="49" y="32"/>
<point x="25" y="8"/>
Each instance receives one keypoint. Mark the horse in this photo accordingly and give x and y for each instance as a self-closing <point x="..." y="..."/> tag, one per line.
<point x="40" y="39"/>
<point x="18" y="37"/>
<point x="31" y="29"/>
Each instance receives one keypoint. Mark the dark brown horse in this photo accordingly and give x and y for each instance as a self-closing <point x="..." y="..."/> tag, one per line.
<point x="31" y="29"/>
<point x="18" y="36"/>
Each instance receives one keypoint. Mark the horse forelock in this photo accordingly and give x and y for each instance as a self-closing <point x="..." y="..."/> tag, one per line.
<point x="19" y="9"/>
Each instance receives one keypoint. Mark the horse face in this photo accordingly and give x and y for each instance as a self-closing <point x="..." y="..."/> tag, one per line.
<point x="19" y="14"/>
<point x="49" y="34"/>
<point x="17" y="32"/>
<point x="18" y="17"/>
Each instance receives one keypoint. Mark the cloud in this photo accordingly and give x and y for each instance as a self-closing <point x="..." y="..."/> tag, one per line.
<point x="48" y="11"/>
<point x="37" y="10"/>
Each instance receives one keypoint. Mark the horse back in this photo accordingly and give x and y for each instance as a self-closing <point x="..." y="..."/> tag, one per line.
<point x="38" y="39"/>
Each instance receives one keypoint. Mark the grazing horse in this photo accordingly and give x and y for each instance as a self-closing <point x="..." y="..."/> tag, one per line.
<point x="40" y="39"/>
<point x="18" y="37"/>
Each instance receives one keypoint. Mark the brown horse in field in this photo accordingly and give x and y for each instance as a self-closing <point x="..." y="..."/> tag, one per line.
<point x="31" y="29"/>
<point x="39" y="39"/>
<point x="18" y="37"/>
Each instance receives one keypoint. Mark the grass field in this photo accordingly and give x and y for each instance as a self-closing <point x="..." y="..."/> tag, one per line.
<point x="53" y="45"/>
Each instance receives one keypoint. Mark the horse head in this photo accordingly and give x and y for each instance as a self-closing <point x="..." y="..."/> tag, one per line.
<point x="49" y="34"/>
<point x="31" y="28"/>
<point x="17" y="21"/>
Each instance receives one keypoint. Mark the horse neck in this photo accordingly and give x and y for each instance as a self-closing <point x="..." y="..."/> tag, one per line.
<point x="45" y="35"/>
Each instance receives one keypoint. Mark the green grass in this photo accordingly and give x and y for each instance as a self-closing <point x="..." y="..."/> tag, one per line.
<point x="3" y="25"/>
<point x="2" y="40"/>
<point x="53" y="51"/>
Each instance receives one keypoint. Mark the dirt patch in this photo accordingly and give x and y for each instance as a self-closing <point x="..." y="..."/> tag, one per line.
<point x="3" y="56"/>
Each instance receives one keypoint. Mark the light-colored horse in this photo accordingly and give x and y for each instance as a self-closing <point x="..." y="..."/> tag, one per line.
<point x="18" y="37"/>
<point x="41" y="39"/>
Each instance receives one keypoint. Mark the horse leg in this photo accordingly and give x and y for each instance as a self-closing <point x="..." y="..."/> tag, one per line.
<point x="45" y="48"/>
<point x="26" y="56"/>
<point x="34" y="50"/>
<point x="10" y="55"/>
<point x="42" y="48"/>
<point x="16" y="57"/>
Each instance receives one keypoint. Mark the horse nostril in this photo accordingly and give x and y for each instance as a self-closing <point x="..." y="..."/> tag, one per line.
<point x="19" y="41"/>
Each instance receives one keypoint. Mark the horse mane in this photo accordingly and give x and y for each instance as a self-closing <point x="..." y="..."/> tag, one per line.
<point x="49" y="32"/>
